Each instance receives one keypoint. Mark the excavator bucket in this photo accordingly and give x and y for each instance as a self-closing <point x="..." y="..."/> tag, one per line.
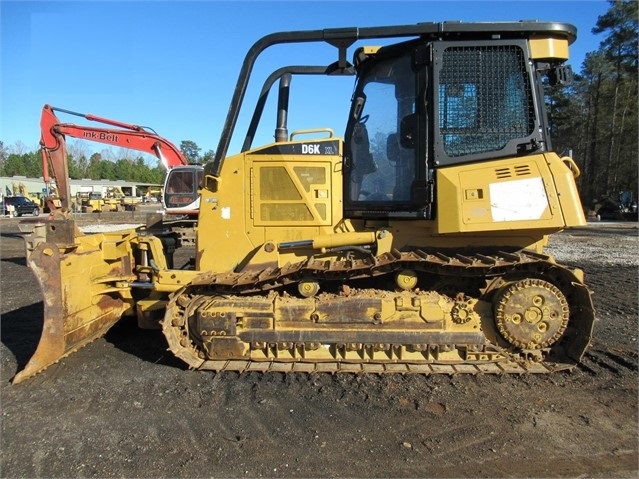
<point x="79" y="277"/>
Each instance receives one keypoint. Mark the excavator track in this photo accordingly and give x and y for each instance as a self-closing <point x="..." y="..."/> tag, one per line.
<point x="530" y="315"/>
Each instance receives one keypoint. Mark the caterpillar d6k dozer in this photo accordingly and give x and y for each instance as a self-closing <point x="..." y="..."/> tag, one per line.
<point x="414" y="244"/>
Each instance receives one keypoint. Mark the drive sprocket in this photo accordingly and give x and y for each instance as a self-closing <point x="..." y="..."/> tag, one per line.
<point x="531" y="313"/>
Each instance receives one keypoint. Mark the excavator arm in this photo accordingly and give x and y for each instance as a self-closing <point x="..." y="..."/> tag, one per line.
<point x="54" y="151"/>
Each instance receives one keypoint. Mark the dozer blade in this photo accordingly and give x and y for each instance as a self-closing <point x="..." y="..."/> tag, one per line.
<point x="78" y="305"/>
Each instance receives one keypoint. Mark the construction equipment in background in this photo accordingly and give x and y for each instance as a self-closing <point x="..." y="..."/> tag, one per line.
<point x="116" y="200"/>
<point x="152" y="194"/>
<point x="88" y="201"/>
<point x="415" y="244"/>
<point x="623" y="208"/>
<point x="183" y="200"/>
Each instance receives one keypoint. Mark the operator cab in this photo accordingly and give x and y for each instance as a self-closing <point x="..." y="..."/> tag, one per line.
<point x="423" y="105"/>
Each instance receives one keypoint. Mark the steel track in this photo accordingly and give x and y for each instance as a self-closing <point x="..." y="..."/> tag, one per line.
<point x="491" y="268"/>
<point x="333" y="367"/>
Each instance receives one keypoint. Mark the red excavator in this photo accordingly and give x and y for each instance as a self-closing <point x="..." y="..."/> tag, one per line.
<point x="182" y="181"/>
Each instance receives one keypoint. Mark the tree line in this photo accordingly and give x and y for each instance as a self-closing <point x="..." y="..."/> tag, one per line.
<point x="96" y="166"/>
<point x="595" y="118"/>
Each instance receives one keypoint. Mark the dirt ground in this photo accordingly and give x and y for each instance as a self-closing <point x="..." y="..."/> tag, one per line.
<point x="124" y="407"/>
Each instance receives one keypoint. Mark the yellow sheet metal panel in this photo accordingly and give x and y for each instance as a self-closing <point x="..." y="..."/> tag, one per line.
<point x="571" y="207"/>
<point x="541" y="48"/>
<point x="223" y="216"/>
<point x="510" y="194"/>
<point x="275" y="194"/>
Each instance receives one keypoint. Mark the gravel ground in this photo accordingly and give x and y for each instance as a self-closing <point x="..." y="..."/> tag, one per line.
<point x="600" y="242"/>
<point x="124" y="407"/>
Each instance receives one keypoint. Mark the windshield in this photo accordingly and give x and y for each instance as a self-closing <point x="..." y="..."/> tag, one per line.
<point x="382" y="166"/>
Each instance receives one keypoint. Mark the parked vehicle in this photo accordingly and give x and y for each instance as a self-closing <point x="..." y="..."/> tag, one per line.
<point x="18" y="206"/>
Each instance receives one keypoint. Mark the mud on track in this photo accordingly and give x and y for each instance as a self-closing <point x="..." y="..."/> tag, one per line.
<point x="124" y="407"/>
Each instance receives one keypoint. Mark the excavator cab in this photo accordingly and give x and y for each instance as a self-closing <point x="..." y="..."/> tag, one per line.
<point x="181" y="189"/>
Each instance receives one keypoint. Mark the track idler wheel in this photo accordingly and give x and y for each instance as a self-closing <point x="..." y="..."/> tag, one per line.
<point x="308" y="289"/>
<point x="406" y="279"/>
<point x="531" y="313"/>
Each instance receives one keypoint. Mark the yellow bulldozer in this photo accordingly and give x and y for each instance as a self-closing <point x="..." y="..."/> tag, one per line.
<point x="414" y="243"/>
<point x="116" y="200"/>
<point x="88" y="202"/>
